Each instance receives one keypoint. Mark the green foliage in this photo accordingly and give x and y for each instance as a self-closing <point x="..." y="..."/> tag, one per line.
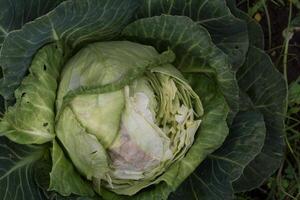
<point x="285" y="183"/>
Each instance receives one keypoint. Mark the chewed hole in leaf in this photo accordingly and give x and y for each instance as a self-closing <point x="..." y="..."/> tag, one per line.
<point x="236" y="47"/>
<point x="45" y="67"/>
<point x="94" y="152"/>
<point x="45" y="124"/>
<point x="23" y="94"/>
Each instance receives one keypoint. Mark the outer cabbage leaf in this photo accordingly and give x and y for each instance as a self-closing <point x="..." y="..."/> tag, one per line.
<point x="85" y="151"/>
<point x="193" y="47"/>
<point x="64" y="178"/>
<point x="73" y="22"/>
<point x="228" y="32"/>
<point x="213" y="178"/>
<point x="256" y="35"/>
<point x="43" y="179"/>
<point x="266" y="88"/>
<point x="31" y="119"/>
<point x="17" y="13"/>
<point x="18" y="166"/>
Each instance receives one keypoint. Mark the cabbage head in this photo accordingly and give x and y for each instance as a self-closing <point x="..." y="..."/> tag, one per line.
<point x="135" y="99"/>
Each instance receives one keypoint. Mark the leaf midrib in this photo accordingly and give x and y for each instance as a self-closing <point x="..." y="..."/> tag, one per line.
<point x="23" y="162"/>
<point x="3" y="31"/>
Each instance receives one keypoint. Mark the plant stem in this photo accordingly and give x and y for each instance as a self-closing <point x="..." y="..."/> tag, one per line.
<point x="285" y="55"/>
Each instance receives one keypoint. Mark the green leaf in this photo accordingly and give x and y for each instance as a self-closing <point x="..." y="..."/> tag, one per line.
<point x="42" y="179"/>
<point x="213" y="178"/>
<point x="73" y="22"/>
<point x="193" y="47"/>
<point x="228" y="32"/>
<point x="15" y="13"/>
<point x="295" y="23"/>
<point x="31" y="119"/>
<point x="265" y="86"/>
<point x="256" y="34"/>
<point x="294" y="93"/>
<point x="18" y="169"/>
<point x="63" y="177"/>
<point x="91" y="158"/>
